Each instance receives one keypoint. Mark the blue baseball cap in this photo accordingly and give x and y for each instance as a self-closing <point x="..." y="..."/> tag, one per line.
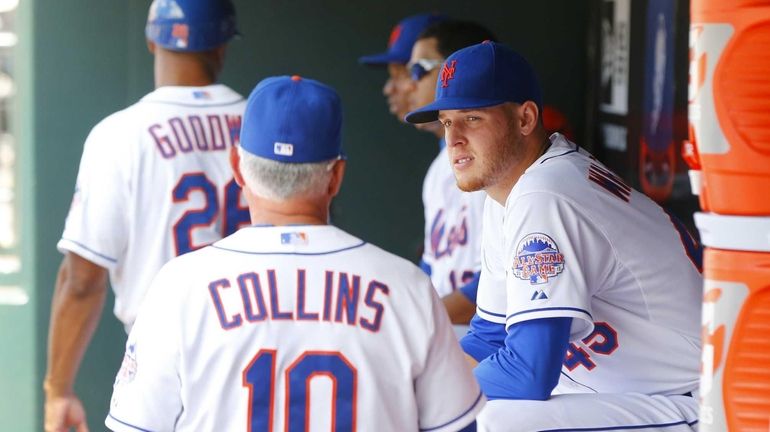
<point x="479" y="76"/>
<point x="402" y="38"/>
<point x="293" y="119"/>
<point x="191" y="25"/>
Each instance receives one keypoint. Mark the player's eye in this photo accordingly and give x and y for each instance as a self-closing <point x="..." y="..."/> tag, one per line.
<point x="472" y="118"/>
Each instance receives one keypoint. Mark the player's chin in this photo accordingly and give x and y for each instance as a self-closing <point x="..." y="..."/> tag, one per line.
<point x="468" y="183"/>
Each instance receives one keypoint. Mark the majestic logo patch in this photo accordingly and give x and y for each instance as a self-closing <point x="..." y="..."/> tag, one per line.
<point x="537" y="259"/>
<point x="447" y="73"/>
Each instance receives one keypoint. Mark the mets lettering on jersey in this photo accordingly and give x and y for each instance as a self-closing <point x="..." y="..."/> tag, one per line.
<point x="452" y="245"/>
<point x="442" y="240"/>
<point x="537" y="259"/>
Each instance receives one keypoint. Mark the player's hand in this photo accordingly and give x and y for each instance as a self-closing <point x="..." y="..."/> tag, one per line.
<point x="64" y="412"/>
<point x="471" y="361"/>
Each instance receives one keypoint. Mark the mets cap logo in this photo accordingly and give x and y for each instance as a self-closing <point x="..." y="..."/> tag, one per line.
<point x="537" y="259"/>
<point x="447" y="73"/>
<point x="394" y="35"/>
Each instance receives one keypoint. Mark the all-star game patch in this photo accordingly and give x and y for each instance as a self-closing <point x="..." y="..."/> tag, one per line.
<point x="537" y="259"/>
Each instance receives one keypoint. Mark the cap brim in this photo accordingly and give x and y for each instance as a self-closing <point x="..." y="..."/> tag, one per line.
<point x="382" y="59"/>
<point x="429" y="113"/>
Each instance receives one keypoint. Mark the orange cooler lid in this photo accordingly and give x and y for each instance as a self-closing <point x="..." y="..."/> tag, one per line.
<point x="743" y="233"/>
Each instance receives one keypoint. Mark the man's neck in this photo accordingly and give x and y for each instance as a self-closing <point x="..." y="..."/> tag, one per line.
<point x="183" y="71"/>
<point x="538" y="146"/>
<point x="184" y="79"/>
<point x="292" y="212"/>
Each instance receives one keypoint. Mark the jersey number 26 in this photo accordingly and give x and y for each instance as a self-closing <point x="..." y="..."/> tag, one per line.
<point x="233" y="216"/>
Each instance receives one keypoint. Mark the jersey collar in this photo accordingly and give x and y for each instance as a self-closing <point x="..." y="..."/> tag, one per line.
<point x="215" y="94"/>
<point x="289" y="239"/>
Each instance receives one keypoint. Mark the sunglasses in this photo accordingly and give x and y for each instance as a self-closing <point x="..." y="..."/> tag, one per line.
<point x="422" y="67"/>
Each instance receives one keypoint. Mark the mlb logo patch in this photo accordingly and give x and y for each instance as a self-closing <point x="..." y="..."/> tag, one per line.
<point x="283" y="149"/>
<point x="537" y="259"/>
<point x="201" y="94"/>
<point x="293" y="238"/>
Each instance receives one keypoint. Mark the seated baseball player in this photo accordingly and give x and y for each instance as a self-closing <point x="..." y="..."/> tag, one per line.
<point x="452" y="246"/>
<point x="589" y="300"/>
<point x="291" y="323"/>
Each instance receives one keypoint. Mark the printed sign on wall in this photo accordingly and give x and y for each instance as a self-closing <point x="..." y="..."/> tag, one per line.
<point x="615" y="53"/>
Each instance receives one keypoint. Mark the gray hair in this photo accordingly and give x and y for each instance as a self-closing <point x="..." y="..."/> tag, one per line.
<point x="283" y="180"/>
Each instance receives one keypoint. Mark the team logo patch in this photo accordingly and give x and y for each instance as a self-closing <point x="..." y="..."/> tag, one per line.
<point x="181" y="34"/>
<point x="447" y="73"/>
<point x="394" y="35"/>
<point x="537" y="259"/>
<point x="127" y="370"/>
<point x="283" y="149"/>
<point x="293" y="238"/>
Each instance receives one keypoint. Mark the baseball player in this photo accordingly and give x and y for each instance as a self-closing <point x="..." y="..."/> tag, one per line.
<point x="292" y="324"/>
<point x="574" y="261"/>
<point x="154" y="183"/>
<point x="452" y="246"/>
<point x="398" y="84"/>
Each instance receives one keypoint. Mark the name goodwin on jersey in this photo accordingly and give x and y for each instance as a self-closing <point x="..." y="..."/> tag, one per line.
<point x="207" y="133"/>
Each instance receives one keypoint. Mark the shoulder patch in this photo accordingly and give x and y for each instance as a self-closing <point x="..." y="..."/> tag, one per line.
<point x="537" y="259"/>
<point x="127" y="370"/>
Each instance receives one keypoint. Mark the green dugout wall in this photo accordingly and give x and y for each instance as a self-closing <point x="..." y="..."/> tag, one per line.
<point x="77" y="61"/>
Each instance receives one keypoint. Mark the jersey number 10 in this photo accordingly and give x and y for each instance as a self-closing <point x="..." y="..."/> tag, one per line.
<point x="259" y="378"/>
<point x="234" y="214"/>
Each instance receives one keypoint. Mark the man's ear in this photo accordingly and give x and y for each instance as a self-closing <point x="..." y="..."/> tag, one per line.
<point x="338" y="172"/>
<point x="151" y="46"/>
<point x="529" y="116"/>
<point x="235" y="165"/>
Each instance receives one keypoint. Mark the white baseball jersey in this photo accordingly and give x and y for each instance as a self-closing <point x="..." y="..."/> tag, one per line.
<point x="155" y="182"/>
<point x="452" y="245"/>
<point x="575" y="241"/>
<point x="292" y="328"/>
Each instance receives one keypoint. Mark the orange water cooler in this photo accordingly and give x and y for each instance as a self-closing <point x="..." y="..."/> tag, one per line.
<point x="729" y="153"/>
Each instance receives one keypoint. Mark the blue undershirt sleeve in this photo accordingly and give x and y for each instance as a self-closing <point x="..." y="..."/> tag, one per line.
<point x="483" y="339"/>
<point x="469" y="290"/>
<point x="425" y="267"/>
<point x="529" y="363"/>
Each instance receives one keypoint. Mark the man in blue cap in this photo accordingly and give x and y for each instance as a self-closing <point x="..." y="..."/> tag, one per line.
<point x="153" y="183"/>
<point x="292" y="323"/>
<point x="402" y="38"/>
<point x="587" y="288"/>
<point x="452" y="245"/>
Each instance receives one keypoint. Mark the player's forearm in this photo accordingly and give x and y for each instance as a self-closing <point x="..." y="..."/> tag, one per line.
<point x="458" y="307"/>
<point x="75" y="311"/>
<point x="529" y="364"/>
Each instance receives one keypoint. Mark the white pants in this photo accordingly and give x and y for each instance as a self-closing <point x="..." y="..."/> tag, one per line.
<point x="591" y="412"/>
